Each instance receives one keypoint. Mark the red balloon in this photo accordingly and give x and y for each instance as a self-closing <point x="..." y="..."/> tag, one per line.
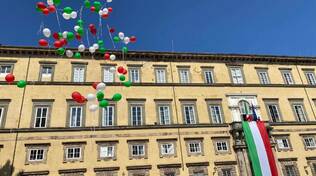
<point x="63" y="42"/>
<point x="132" y="39"/>
<point x="91" y="26"/>
<point x="78" y="36"/>
<point x="43" y="42"/>
<point x="9" y="78"/>
<point x="45" y="11"/>
<point x="107" y="56"/>
<point x="52" y="8"/>
<point x="120" y="69"/>
<point x="58" y="44"/>
<point x="104" y="16"/>
<point x="76" y="96"/>
<point x="95" y="84"/>
<point x="41" y="5"/>
<point x="92" y="8"/>
<point x="81" y="100"/>
<point x="112" y="30"/>
<point x="124" y="72"/>
<point x="110" y="9"/>
<point x="56" y="36"/>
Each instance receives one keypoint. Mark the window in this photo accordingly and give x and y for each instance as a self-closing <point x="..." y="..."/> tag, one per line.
<point x="167" y="149"/>
<point x="78" y="73"/>
<point x="136" y="114"/>
<point x="283" y="143"/>
<point x="290" y="170"/>
<point x="161" y="76"/>
<point x="221" y="146"/>
<point x="164" y="114"/>
<point x="36" y="154"/>
<point x="289" y="167"/>
<point x="309" y="142"/>
<point x="208" y="76"/>
<point x="287" y="76"/>
<point x="1" y="116"/>
<point x="108" y="75"/>
<point x="41" y="117"/>
<point x="46" y="73"/>
<point x="237" y="75"/>
<point x="107" y="151"/>
<point x="199" y="174"/>
<point x="76" y="116"/>
<point x="108" y="115"/>
<point x="216" y="113"/>
<point x="138" y="150"/>
<point x="73" y="153"/>
<point x="195" y="147"/>
<point x="189" y="114"/>
<point x="227" y="172"/>
<point x="134" y="75"/>
<point x="244" y="107"/>
<point x="263" y="76"/>
<point x="310" y="76"/>
<point x="299" y="112"/>
<point x="5" y="69"/>
<point x="184" y="75"/>
<point x="273" y="111"/>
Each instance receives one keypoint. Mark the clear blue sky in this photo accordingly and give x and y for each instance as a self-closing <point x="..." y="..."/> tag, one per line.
<point x="277" y="27"/>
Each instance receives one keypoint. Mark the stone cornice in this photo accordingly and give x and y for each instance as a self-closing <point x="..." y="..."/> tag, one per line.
<point x="14" y="51"/>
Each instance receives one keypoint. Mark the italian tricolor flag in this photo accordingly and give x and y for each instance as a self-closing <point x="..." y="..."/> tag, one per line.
<point x="259" y="148"/>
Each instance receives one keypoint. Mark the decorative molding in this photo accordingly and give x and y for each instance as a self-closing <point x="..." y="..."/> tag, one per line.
<point x="167" y="139"/>
<point x="135" y="99"/>
<point x="308" y="69"/>
<point x="108" y="64"/>
<point x="159" y="166"/>
<point x="47" y="62"/>
<point x="37" y="144"/>
<point x="311" y="158"/>
<point x="5" y="100"/>
<point x="283" y="68"/>
<point x="134" y="65"/>
<point x="100" y="169"/>
<point x="4" y="61"/>
<point x="183" y="66"/>
<point x="65" y="171"/>
<point x="74" y="143"/>
<point x="213" y="99"/>
<point x="220" y="163"/>
<point x="107" y="141"/>
<point x="138" y="140"/>
<point x="287" y="159"/>
<point x="187" y="99"/>
<point x="43" y="100"/>
<point x="261" y="68"/>
<point x="79" y="63"/>
<point x="159" y="65"/>
<point x="197" y="164"/>
<point x="138" y="167"/>
<point x="33" y="173"/>
<point x="163" y="100"/>
<point x="220" y="137"/>
<point x="193" y="138"/>
<point x="207" y="67"/>
<point x="307" y="134"/>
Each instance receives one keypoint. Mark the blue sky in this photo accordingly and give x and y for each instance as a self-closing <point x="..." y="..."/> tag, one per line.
<point x="274" y="27"/>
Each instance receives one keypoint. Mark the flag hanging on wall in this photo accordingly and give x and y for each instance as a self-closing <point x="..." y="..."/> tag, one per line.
<point x="259" y="148"/>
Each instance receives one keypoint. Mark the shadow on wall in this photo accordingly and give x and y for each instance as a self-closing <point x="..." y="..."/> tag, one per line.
<point x="6" y="169"/>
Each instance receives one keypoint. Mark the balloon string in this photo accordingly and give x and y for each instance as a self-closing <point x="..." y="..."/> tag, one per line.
<point x="88" y="37"/>
<point x="100" y="27"/>
<point x="80" y="12"/>
<point x="41" y="27"/>
<point x="111" y="37"/>
<point x="58" y="21"/>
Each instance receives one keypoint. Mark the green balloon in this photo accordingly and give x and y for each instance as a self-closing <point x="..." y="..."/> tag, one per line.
<point x="70" y="36"/>
<point x="60" y="35"/>
<point x="80" y="23"/>
<point x="100" y="43"/>
<point x="97" y="4"/>
<point x="61" y="51"/>
<point x="103" y="103"/>
<point x="117" y="97"/>
<point x="127" y="84"/>
<point x="38" y="9"/>
<point x="100" y="96"/>
<point x="125" y="49"/>
<point x="56" y="2"/>
<point x="87" y="3"/>
<point x="21" y="84"/>
<point x="80" y="31"/>
<point x="122" y="78"/>
<point x="68" y="10"/>
<point x="116" y="39"/>
<point x="77" y="55"/>
<point x="102" y="50"/>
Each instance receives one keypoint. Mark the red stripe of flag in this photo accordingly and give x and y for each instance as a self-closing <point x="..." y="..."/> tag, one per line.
<point x="267" y="145"/>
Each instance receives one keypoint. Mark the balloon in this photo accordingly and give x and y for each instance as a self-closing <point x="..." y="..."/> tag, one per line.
<point x="133" y="39"/>
<point x="100" y="96"/>
<point x="91" y="49"/>
<point x="102" y="50"/>
<point x="97" y="4"/>
<point x="50" y="2"/>
<point x="81" y="100"/>
<point x="95" y="46"/>
<point x="80" y="23"/>
<point x="9" y="78"/>
<point x="126" y="40"/>
<point x="110" y="9"/>
<point x="63" y="41"/>
<point x="43" y="42"/>
<point x="91" y="97"/>
<point x="100" y="43"/>
<point x="78" y="36"/>
<point x="103" y="103"/>
<point x="65" y="33"/>
<point x="122" y="78"/>
<point x="95" y="84"/>
<point x="73" y="15"/>
<point x="76" y="95"/>
<point x="45" y="11"/>
<point x="56" y="2"/>
<point x="112" y="30"/>
<point x="70" y="35"/>
<point x="101" y="86"/>
<point x="68" y="10"/>
<point x="93" y="108"/>
<point x="61" y="51"/>
<point x="76" y="28"/>
<point x="117" y="97"/>
<point x="106" y="56"/>
<point x="121" y="35"/>
<point x="41" y="5"/>
<point x="77" y="55"/>
<point x="92" y="8"/>
<point x="108" y="1"/>
<point x="52" y="8"/>
<point x="100" y="12"/>
<point x="92" y="29"/>
<point x="87" y="3"/>
<point x="21" y="84"/>
<point x="105" y="15"/>
<point x="66" y="16"/>
<point x="112" y="57"/>
<point x="124" y="72"/>
<point x="116" y="39"/>
<point x="56" y="36"/>
<point x="81" y="48"/>
<point x="80" y="31"/>
<point x="125" y="49"/>
<point x="127" y="84"/>
<point x="112" y="69"/>
<point x="69" y="53"/>
<point x="120" y="69"/>
<point x="105" y="11"/>
<point x="58" y="44"/>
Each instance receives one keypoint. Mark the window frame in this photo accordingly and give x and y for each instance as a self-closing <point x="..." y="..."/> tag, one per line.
<point x="73" y="145"/>
<point x="143" y="143"/>
<point x="211" y="70"/>
<point x="283" y="137"/>
<point x="218" y="103"/>
<point x="304" y="137"/>
<point x="4" y="104"/>
<point x="289" y="71"/>
<point x="71" y="103"/>
<point x="186" y="104"/>
<point x="189" y="75"/>
<point x="40" y="76"/>
<point x="37" y="103"/>
<point x="242" y="74"/>
<point x="6" y="64"/>
<point x="73" y="72"/>
<point x="107" y="144"/>
<point x="263" y="70"/>
<point x="139" y="74"/>
<point x="194" y="141"/>
<point x="103" y="72"/>
<point x="156" y="75"/>
<point x="276" y="104"/>
<point x="299" y="103"/>
<point x="140" y="104"/>
<point x="161" y="104"/>
<point x="30" y="147"/>
<point x="216" y="140"/>
<point x="307" y="78"/>
<point x="101" y="112"/>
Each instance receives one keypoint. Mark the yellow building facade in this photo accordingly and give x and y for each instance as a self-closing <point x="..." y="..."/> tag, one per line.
<point x="181" y="116"/>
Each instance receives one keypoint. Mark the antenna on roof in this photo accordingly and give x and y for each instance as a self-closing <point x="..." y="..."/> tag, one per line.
<point x="172" y="46"/>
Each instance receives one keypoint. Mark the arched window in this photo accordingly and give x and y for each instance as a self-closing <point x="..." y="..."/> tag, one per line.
<point x="244" y="107"/>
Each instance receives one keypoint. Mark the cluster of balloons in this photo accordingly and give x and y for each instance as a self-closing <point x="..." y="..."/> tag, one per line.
<point x="46" y="9"/>
<point x="69" y="13"/>
<point x="10" y="79"/>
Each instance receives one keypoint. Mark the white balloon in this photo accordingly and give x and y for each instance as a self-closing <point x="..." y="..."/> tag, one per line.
<point x="81" y="48"/>
<point x="126" y="40"/>
<point x="69" y="53"/>
<point x="47" y="32"/>
<point x="108" y="1"/>
<point x="50" y="2"/>
<point x="66" y="16"/>
<point x="91" y="49"/>
<point x="76" y="28"/>
<point x="112" y="69"/>
<point x="101" y="86"/>
<point x="73" y="15"/>
<point x="65" y="33"/>
<point x="90" y="97"/>
<point x="112" y="57"/>
<point x="105" y="11"/>
<point x="95" y="46"/>
<point x="93" y="108"/>
<point x="100" y="12"/>
<point x="121" y="35"/>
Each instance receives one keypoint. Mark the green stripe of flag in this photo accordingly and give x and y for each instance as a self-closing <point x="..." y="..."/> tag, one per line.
<point x="252" y="150"/>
